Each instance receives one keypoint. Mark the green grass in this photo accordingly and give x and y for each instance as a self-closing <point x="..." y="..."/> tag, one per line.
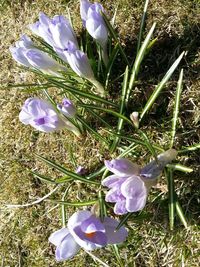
<point x="24" y="232"/>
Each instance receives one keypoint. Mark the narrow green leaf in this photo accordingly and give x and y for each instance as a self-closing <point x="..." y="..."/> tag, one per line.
<point x="97" y="173"/>
<point x="115" y="37"/>
<point x="114" y="113"/>
<point x="181" y="214"/>
<point x="76" y="91"/>
<point x="90" y="129"/>
<point x="65" y="171"/>
<point x="124" y="220"/>
<point x="117" y="255"/>
<point x="160" y="86"/>
<point x="148" y="144"/>
<point x="190" y="148"/>
<point x="142" y="25"/>
<point x="74" y="204"/>
<point x="43" y="178"/>
<point x="102" y="206"/>
<point x="179" y="167"/>
<point x="172" y="201"/>
<point x="176" y="107"/>
<point x="122" y="106"/>
<point x="138" y="61"/>
<point x="110" y="63"/>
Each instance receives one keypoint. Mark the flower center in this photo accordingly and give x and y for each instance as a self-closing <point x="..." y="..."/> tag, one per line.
<point x="90" y="235"/>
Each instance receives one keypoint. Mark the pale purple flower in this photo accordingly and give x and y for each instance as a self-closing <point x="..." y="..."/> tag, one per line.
<point x="41" y="115"/>
<point x="93" y="21"/>
<point x="130" y="184"/>
<point x="78" y="61"/>
<point x="86" y="231"/>
<point x="56" y="32"/>
<point x="26" y="54"/>
<point x="67" y="108"/>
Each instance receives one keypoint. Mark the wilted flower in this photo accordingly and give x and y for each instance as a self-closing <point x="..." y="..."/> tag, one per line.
<point x="41" y="115"/>
<point x="130" y="184"/>
<point x="86" y="231"/>
<point x="93" y="21"/>
<point x="67" y="108"/>
<point x="26" y="54"/>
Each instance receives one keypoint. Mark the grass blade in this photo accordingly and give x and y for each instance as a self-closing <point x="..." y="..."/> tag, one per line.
<point x="65" y="171"/>
<point x="160" y="86"/>
<point x="124" y="220"/>
<point x="179" y="167"/>
<point x="74" y="204"/>
<point x="190" y="148"/>
<point x="176" y="107"/>
<point x="181" y="214"/>
<point x="90" y="129"/>
<point x="138" y="60"/>
<point x="122" y="106"/>
<point x="171" y="198"/>
<point x="114" y="36"/>
<point x="75" y="91"/>
<point x="43" y="178"/>
<point x="112" y="112"/>
<point x="142" y="24"/>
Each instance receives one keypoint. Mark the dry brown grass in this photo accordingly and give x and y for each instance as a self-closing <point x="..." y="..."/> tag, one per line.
<point x="24" y="232"/>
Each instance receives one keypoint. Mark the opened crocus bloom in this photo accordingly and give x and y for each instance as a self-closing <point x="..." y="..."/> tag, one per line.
<point x="86" y="231"/>
<point x="41" y="115"/>
<point x="130" y="184"/>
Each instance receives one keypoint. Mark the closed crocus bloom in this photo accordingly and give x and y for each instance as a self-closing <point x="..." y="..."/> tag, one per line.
<point x="62" y="32"/>
<point x="78" y="61"/>
<point x="87" y="231"/>
<point x="41" y="115"/>
<point x="26" y="54"/>
<point x="41" y="28"/>
<point x="130" y="184"/>
<point x="67" y="108"/>
<point x="93" y="21"/>
<point x="56" y="32"/>
<point x="95" y="25"/>
<point x="18" y="53"/>
<point x="42" y="61"/>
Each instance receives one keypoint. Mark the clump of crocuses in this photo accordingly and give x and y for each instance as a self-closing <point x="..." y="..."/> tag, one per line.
<point x="85" y="230"/>
<point x="129" y="185"/>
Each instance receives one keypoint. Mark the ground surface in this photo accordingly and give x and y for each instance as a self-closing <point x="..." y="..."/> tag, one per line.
<point x="24" y="232"/>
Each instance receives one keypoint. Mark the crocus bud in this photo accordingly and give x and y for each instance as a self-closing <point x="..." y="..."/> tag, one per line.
<point x="78" y="61"/>
<point x="134" y="117"/>
<point x="42" y="61"/>
<point x="93" y="21"/>
<point x="67" y="108"/>
<point x="27" y="55"/>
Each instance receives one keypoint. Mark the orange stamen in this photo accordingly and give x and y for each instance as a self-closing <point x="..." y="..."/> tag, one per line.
<point x="90" y="235"/>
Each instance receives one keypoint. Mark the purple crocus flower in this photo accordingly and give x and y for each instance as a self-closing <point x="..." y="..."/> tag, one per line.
<point x="26" y="54"/>
<point x="41" y="115"/>
<point x="93" y="21"/>
<point x="67" y="108"/>
<point x="86" y="231"/>
<point x="130" y="184"/>
<point x="78" y="61"/>
<point x="56" y="32"/>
